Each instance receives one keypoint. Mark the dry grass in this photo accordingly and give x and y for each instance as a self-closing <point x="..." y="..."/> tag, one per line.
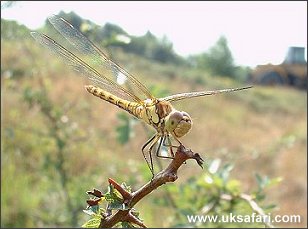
<point x="262" y="130"/>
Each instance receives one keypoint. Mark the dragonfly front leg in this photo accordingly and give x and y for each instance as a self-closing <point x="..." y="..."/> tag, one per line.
<point x="168" y="144"/>
<point x="162" y="141"/>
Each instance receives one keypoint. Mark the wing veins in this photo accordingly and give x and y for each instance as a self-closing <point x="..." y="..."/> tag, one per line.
<point x="72" y="59"/>
<point x="188" y="95"/>
<point x="82" y="44"/>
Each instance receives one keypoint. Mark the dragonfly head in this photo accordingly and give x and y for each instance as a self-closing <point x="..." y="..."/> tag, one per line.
<point x="178" y="123"/>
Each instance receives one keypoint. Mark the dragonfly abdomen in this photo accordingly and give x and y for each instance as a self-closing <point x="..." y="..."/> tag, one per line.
<point x="131" y="107"/>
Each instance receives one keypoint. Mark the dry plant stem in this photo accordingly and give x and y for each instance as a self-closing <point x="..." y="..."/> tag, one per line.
<point x="254" y="206"/>
<point x="130" y="199"/>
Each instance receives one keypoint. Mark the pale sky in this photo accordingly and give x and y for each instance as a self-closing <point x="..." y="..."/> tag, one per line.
<point x="257" y="32"/>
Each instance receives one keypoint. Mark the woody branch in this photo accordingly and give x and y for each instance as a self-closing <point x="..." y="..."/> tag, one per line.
<point x="169" y="174"/>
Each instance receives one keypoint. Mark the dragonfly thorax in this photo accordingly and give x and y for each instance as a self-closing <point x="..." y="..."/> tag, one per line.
<point x="154" y="112"/>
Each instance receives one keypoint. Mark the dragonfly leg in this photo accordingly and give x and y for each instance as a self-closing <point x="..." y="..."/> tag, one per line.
<point x="143" y="148"/>
<point x="150" y="144"/>
<point x="169" y="145"/>
<point x="159" y="146"/>
<point x="150" y="153"/>
<point x="162" y="140"/>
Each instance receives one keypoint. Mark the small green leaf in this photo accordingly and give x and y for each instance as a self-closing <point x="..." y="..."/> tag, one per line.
<point x="126" y="187"/>
<point x="275" y="181"/>
<point x="113" y="195"/>
<point x="92" y="210"/>
<point x="116" y="205"/>
<point x="114" y="199"/>
<point x="263" y="182"/>
<point x="93" y="223"/>
<point x="259" y="179"/>
<point x="89" y="212"/>
<point x="260" y="196"/>
<point x="135" y="213"/>
<point x="225" y="172"/>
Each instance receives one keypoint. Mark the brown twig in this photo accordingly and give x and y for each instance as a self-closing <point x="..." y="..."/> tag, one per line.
<point x="169" y="174"/>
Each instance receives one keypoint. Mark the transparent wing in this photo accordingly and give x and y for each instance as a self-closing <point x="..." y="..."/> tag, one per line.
<point x="93" y="63"/>
<point x="83" y="68"/>
<point x="188" y="95"/>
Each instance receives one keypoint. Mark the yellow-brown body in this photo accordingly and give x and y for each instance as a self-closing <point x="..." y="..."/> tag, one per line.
<point x="131" y="107"/>
<point x="153" y="112"/>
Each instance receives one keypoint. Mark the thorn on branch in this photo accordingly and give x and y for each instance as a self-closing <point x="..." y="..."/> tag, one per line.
<point x="96" y="193"/>
<point x="199" y="160"/>
<point x="191" y="154"/>
<point x="183" y="154"/>
<point x="125" y="194"/>
<point x="93" y="202"/>
<point x="133" y="219"/>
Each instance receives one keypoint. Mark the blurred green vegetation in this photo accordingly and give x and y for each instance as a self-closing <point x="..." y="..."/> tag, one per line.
<point x="58" y="141"/>
<point x="214" y="194"/>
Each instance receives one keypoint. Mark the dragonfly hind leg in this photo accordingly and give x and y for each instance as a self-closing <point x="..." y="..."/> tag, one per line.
<point x="150" y="144"/>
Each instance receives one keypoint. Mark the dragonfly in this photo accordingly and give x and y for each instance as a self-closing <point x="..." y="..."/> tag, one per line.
<point x="130" y="95"/>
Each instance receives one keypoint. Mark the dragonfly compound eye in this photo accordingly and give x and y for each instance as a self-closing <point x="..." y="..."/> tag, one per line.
<point x="178" y="123"/>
